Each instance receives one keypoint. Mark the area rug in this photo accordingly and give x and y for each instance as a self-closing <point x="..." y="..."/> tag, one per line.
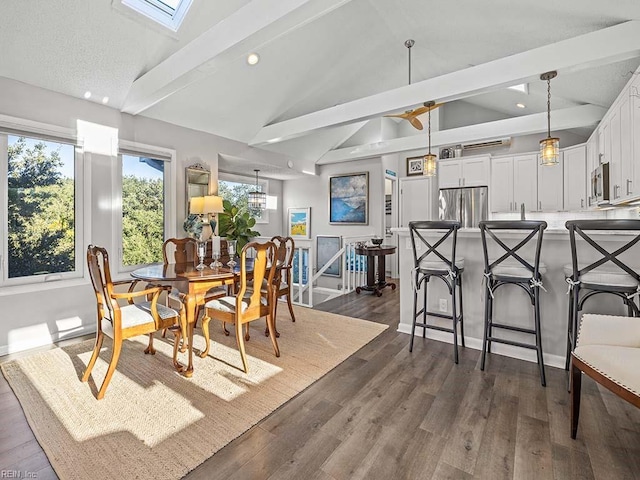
<point x="155" y="423"/>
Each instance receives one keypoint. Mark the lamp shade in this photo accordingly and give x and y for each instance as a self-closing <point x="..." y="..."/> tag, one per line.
<point x="196" y="205"/>
<point x="212" y="204"/>
<point x="549" y="151"/>
<point x="429" y="167"/>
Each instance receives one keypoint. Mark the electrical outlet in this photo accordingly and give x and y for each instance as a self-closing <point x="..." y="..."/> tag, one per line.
<point x="443" y="305"/>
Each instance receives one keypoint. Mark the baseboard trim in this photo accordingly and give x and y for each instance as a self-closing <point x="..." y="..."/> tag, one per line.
<point x="43" y="341"/>
<point x="497" y="348"/>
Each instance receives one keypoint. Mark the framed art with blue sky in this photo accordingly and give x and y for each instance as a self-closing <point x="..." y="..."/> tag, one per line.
<point x="349" y="199"/>
<point x="299" y="223"/>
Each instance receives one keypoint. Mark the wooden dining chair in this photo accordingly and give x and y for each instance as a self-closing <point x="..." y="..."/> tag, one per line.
<point x="184" y="250"/>
<point x="250" y="303"/>
<point x="122" y="322"/>
<point x="285" y="248"/>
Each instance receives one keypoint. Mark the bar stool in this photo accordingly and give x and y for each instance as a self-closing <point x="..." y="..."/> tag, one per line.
<point x="434" y="264"/>
<point x="607" y="274"/>
<point x="511" y="269"/>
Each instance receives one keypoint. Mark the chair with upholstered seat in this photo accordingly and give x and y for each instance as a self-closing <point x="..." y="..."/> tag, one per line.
<point x="607" y="273"/>
<point x="608" y="351"/>
<point x="250" y="302"/>
<point x="122" y="322"/>
<point x="430" y="263"/>
<point x="511" y="268"/>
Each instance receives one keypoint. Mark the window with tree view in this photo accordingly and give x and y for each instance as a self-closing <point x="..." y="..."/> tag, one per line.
<point x="40" y="208"/>
<point x="143" y="209"/>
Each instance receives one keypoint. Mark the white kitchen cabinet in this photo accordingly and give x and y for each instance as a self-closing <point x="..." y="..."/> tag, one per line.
<point x="450" y="173"/>
<point x="551" y="186"/>
<point x="592" y="163"/>
<point x="501" y="191"/>
<point x="464" y="172"/>
<point x="615" y="164"/>
<point x="626" y="148"/>
<point x="525" y="181"/>
<point x="575" y="178"/>
<point x="635" y="149"/>
<point x="417" y="200"/>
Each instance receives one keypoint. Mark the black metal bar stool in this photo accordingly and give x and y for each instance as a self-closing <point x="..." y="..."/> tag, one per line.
<point x="511" y="269"/>
<point x="607" y="274"/>
<point x="434" y="264"/>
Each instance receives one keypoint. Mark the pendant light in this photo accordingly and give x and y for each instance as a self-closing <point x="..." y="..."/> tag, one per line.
<point x="257" y="199"/>
<point x="429" y="166"/>
<point x="550" y="146"/>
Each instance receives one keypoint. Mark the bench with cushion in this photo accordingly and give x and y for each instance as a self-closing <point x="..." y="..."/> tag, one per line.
<point x="608" y="351"/>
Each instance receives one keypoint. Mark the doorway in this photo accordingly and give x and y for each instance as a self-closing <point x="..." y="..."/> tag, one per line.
<point x="391" y="221"/>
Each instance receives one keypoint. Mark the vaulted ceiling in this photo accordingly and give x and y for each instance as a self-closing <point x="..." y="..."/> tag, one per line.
<point x="327" y="67"/>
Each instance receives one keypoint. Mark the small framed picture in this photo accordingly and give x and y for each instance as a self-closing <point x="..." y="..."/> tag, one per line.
<point x="415" y="166"/>
<point x="299" y="224"/>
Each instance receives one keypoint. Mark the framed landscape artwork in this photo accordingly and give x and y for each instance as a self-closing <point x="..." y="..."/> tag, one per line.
<point x="415" y="166"/>
<point x="327" y="247"/>
<point x="299" y="224"/>
<point x="349" y="199"/>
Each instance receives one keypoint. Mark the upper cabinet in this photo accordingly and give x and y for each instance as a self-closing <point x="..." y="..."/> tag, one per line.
<point x="550" y="186"/>
<point x="525" y="182"/>
<point x="464" y="172"/>
<point x="501" y="191"/>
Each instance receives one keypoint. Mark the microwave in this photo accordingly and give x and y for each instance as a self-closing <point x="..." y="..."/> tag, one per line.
<point x="600" y="185"/>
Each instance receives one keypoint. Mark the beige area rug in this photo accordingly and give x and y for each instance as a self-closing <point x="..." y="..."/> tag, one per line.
<point x="155" y="423"/>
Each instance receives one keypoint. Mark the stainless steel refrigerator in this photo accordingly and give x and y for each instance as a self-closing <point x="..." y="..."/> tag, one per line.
<point x="468" y="205"/>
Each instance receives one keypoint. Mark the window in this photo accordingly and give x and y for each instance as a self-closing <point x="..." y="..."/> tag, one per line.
<point x="43" y="209"/>
<point x="169" y="13"/>
<point x="235" y="189"/>
<point x="146" y="212"/>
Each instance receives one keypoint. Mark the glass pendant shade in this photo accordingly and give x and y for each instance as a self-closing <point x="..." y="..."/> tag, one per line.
<point x="429" y="168"/>
<point x="549" y="151"/>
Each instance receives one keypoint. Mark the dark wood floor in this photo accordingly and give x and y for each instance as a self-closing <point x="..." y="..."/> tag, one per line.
<point x="386" y="413"/>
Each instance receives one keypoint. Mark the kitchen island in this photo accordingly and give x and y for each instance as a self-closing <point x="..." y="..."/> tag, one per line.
<point x="512" y="304"/>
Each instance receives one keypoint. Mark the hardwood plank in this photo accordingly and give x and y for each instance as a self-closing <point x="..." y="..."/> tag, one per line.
<point x="445" y="471"/>
<point x="533" y="459"/>
<point x="496" y="455"/>
<point x="570" y="463"/>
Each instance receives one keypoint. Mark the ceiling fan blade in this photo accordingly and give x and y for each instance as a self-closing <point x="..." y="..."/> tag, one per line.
<point x="419" y="111"/>
<point x="406" y="116"/>
<point x="416" y="123"/>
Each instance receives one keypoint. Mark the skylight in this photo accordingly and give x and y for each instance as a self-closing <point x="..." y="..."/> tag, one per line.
<point x="169" y="13"/>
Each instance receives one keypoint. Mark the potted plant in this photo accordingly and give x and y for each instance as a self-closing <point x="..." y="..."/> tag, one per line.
<point x="235" y="223"/>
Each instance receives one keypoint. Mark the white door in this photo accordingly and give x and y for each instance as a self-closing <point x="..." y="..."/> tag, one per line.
<point x="449" y="173"/>
<point x="475" y="172"/>
<point x="391" y="221"/>
<point x="525" y="182"/>
<point x="550" y="187"/>
<point x="417" y="200"/>
<point x="575" y="178"/>
<point x="501" y="189"/>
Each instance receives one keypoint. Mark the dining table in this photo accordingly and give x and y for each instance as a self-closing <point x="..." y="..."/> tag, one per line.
<point x="199" y="282"/>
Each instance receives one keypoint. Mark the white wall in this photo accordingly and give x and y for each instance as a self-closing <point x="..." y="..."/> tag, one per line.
<point x="53" y="311"/>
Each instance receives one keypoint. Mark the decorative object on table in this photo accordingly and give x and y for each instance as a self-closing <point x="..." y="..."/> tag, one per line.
<point x="415" y="166"/>
<point x="412" y="115"/>
<point x="236" y="224"/>
<point x="202" y="248"/>
<point x="231" y="249"/>
<point x="550" y="146"/>
<point x="193" y="226"/>
<point x="377" y="241"/>
<point x="215" y="252"/>
<point x="202" y="208"/>
<point x="257" y="200"/>
<point x="349" y="199"/>
<point x="299" y="223"/>
<point x="327" y="247"/>
<point x="429" y="169"/>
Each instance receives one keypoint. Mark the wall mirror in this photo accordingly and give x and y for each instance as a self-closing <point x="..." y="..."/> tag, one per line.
<point x="198" y="178"/>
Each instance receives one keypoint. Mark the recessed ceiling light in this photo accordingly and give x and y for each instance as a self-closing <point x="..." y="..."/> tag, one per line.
<point x="521" y="105"/>
<point x="253" y="58"/>
<point x="87" y="94"/>
<point x="105" y="100"/>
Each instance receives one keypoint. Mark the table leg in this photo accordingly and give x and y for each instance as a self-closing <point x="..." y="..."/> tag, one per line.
<point x="381" y="270"/>
<point x="371" y="272"/>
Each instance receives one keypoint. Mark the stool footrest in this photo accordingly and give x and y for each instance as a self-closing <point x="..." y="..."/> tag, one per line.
<point x="434" y="327"/>
<point x="512" y="327"/>
<point x="512" y="342"/>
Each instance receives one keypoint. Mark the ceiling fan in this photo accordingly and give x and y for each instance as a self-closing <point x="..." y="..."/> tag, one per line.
<point x="412" y="115"/>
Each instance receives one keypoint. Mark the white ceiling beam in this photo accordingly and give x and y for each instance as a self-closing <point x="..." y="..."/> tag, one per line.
<point x="247" y="29"/>
<point x="574" y="117"/>
<point x="601" y="47"/>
